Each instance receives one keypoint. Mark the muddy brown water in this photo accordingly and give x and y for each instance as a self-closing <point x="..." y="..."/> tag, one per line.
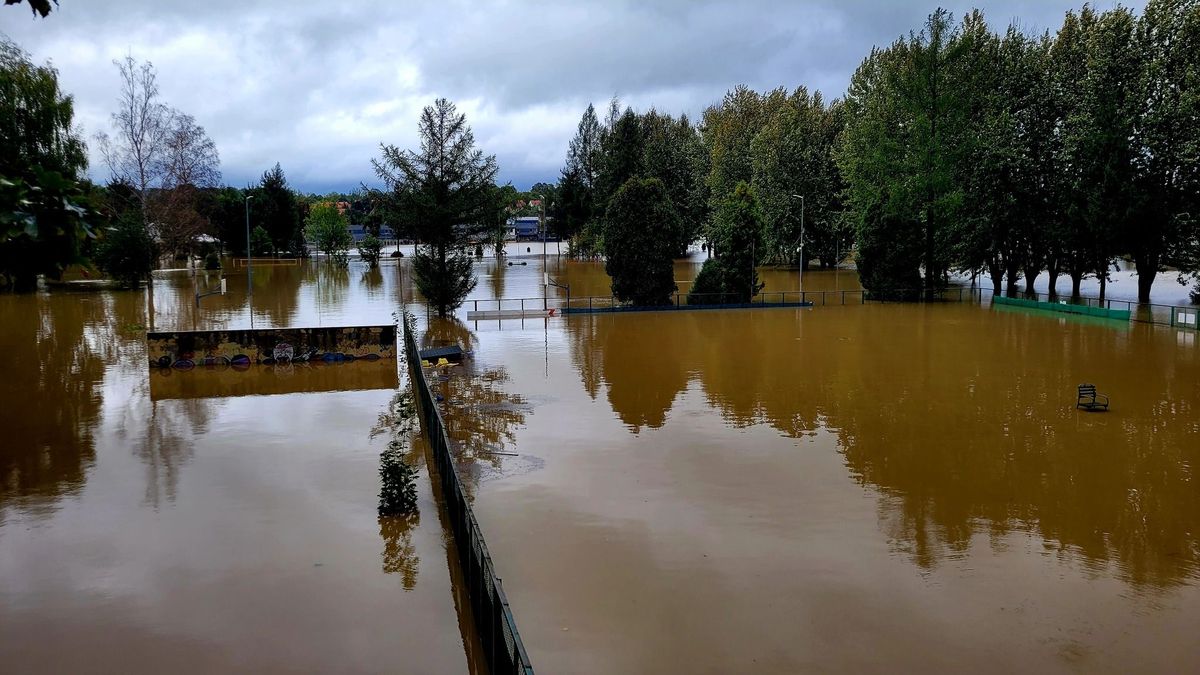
<point x="208" y="521"/>
<point x="873" y="488"/>
<point x="846" y="489"/>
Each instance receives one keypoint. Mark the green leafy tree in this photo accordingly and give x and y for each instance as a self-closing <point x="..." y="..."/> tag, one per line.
<point x="793" y="154"/>
<point x="1168" y="140"/>
<point x="369" y="250"/>
<point x="728" y="130"/>
<point x="327" y="229"/>
<point x="225" y="210"/>
<point x="1098" y="142"/>
<point x="127" y="252"/>
<point x="673" y="152"/>
<point x="738" y="243"/>
<point x="445" y="195"/>
<point x="640" y="257"/>
<point x="45" y="216"/>
<point x="621" y="155"/>
<point x="900" y="155"/>
<point x="577" y="185"/>
<point x="276" y="208"/>
<point x="260" y="241"/>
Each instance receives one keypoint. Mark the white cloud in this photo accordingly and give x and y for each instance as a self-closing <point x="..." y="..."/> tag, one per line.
<point x="317" y="86"/>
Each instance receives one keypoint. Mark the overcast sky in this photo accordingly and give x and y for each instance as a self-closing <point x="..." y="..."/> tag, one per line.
<point x="317" y="86"/>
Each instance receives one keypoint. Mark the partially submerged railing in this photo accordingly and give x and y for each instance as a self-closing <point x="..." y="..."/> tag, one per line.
<point x="1165" y="315"/>
<point x="494" y="620"/>
<point x="609" y="303"/>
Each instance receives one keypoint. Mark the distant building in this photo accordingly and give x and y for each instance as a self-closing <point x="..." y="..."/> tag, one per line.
<point x="359" y="232"/>
<point x="525" y="227"/>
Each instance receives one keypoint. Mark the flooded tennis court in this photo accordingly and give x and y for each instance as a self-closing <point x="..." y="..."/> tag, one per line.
<point x="214" y="520"/>
<point x="876" y="487"/>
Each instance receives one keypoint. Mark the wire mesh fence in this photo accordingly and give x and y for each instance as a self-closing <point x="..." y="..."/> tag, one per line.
<point x="1166" y="315"/>
<point x="494" y="620"/>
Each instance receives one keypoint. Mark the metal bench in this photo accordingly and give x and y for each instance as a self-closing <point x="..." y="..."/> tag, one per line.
<point x="1091" y="400"/>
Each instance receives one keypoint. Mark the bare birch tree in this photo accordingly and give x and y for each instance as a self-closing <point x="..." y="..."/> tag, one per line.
<point x="135" y="155"/>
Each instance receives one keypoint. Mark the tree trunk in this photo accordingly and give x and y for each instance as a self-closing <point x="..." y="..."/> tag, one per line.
<point x="1012" y="271"/>
<point x="1076" y="280"/>
<point x="1103" y="284"/>
<point x="1031" y="275"/>
<point x="996" y="274"/>
<point x="1147" y="270"/>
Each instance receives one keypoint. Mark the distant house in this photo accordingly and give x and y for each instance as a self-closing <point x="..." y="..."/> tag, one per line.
<point x="525" y="227"/>
<point x="359" y="232"/>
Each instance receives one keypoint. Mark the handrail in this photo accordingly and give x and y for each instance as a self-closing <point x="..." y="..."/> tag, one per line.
<point x="494" y="621"/>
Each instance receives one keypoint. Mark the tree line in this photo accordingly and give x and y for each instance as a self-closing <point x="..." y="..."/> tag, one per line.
<point x="163" y="196"/>
<point x="957" y="149"/>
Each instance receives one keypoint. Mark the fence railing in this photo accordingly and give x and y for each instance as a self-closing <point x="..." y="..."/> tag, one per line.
<point x="609" y="303"/>
<point x="494" y="622"/>
<point x="1164" y="315"/>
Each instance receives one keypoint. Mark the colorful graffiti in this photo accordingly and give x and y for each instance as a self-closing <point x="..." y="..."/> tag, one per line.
<point x="184" y="350"/>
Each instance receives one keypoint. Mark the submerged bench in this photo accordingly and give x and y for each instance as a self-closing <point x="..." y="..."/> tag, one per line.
<point x="1091" y="400"/>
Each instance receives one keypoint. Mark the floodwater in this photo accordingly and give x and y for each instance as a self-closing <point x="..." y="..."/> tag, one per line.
<point x="857" y="488"/>
<point x="212" y="520"/>
<point x="867" y="488"/>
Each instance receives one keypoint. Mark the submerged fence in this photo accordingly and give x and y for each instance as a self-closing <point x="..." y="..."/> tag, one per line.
<point x="494" y="621"/>
<point x="609" y="303"/>
<point x="1165" y="315"/>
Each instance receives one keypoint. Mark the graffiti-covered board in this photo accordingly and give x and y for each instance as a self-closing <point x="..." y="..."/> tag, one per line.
<point x="183" y="350"/>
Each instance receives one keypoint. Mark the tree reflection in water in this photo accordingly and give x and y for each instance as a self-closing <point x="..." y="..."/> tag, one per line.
<point x="399" y="554"/>
<point x="965" y="430"/>
<point x="481" y="417"/>
<point x="50" y="396"/>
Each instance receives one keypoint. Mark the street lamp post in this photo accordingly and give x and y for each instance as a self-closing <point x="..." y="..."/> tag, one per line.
<point x="545" y="270"/>
<point x="801" y="198"/>
<point x="249" y="253"/>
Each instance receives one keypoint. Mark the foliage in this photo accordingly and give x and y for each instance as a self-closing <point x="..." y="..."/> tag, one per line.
<point x="127" y="252"/>
<point x="398" y="481"/>
<point x="1167" y="38"/>
<point x="36" y="118"/>
<point x="45" y="214"/>
<point x="39" y="7"/>
<point x="369" y="249"/>
<point x="136" y="154"/>
<point x="212" y="261"/>
<point x="190" y="164"/>
<point x="445" y="195"/>
<point x="901" y="153"/>
<point x="276" y="208"/>
<point x="576" y="186"/>
<point x="224" y="209"/>
<point x="640" y="233"/>
<point x="44" y="223"/>
<point x="708" y="287"/>
<point x="729" y="129"/>
<point x="793" y="154"/>
<point x="326" y="228"/>
<point x="738" y="243"/>
<point x="602" y="158"/>
<point x="260" y="241"/>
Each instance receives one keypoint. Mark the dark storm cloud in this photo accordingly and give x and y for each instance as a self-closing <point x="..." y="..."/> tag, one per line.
<point x="317" y="86"/>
